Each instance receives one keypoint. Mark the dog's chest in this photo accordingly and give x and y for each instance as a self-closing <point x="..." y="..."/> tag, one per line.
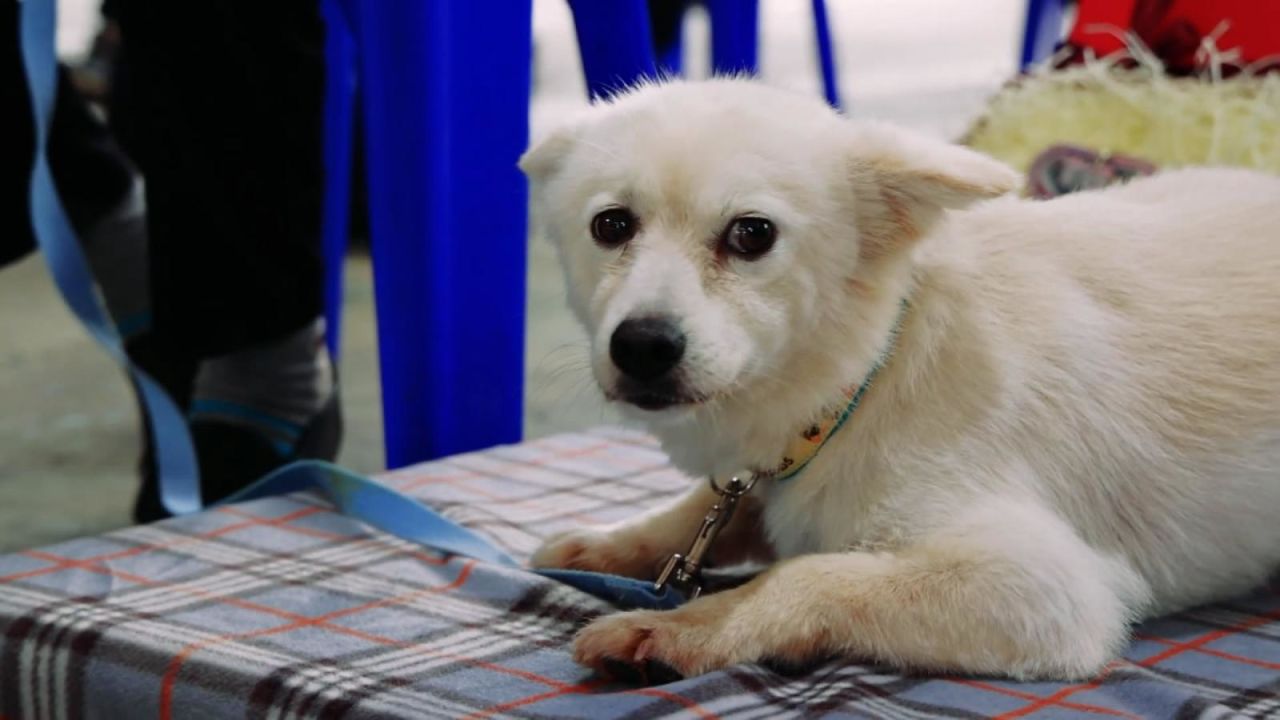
<point x="815" y="513"/>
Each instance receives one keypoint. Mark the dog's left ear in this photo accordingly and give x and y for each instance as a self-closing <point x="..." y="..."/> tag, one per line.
<point x="544" y="157"/>
<point x="903" y="181"/>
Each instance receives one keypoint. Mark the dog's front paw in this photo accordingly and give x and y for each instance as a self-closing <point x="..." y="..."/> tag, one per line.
<point x="650" y="647"/>
<point x="604" y="551"/>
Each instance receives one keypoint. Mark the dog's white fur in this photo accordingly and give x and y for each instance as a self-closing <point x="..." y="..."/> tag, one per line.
<point x="1079" y="426"/>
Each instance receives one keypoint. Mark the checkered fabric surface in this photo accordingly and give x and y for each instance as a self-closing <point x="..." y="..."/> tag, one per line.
<point x="280" y="608"/>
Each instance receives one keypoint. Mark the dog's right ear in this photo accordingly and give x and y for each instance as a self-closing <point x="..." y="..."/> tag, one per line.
<point x="544" y="157"/>
<point x="903" y="181"/>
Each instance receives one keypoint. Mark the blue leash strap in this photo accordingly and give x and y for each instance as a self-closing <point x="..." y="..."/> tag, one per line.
<point x="178" y="473"/>
<point x="175" y="457"/>
<point x="393" y="512"/>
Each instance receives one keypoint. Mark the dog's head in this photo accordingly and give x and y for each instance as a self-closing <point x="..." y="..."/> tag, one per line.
<point x="709" y="228"/>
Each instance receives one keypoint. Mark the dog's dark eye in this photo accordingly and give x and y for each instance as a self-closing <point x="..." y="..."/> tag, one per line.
<point x="750" y="237"/>
<point x="614" y="227"/>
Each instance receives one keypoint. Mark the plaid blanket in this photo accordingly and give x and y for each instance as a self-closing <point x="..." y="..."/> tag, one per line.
<point x="280" y="608"/>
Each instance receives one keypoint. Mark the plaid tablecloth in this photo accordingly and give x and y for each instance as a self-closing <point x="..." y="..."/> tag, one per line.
<point x="279" y="608"/>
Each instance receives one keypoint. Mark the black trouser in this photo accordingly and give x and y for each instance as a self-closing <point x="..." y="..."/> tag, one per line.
<point x="220" y="106"/>
<point x="91" y="173"/>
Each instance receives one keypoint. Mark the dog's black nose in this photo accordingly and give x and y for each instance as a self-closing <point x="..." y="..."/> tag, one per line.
<point x="644" y="348"/>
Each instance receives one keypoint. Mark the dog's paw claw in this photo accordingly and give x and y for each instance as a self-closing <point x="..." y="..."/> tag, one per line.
<point x="643" y="650"/>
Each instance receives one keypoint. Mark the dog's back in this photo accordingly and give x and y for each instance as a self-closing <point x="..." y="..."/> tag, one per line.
<point x="1139" y="327"/>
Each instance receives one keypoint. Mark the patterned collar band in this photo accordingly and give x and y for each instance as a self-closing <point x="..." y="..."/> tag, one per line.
<point x="807" y="444"/>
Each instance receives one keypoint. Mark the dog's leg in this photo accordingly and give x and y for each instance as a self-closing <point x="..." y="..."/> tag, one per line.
<point x="639" y="547"/>
<point x="1005" y="588"/>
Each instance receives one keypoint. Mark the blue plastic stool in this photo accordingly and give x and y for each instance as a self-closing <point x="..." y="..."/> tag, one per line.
<point x="612" y="59"/>
<point x="444" y="88"/>
<point x="339" y="116"/>
<point x="1042" y="32"/>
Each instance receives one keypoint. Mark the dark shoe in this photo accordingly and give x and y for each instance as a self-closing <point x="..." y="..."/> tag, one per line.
<point x="233" y="456"/>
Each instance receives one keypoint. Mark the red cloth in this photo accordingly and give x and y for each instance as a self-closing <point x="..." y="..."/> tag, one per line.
<point x="1173" y="29"/>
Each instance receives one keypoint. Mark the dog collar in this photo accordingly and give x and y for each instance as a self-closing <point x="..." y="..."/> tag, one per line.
<point x="805" y="447"/>
<point x="683" y="571"/>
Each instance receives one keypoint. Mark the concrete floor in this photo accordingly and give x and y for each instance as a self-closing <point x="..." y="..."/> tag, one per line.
<point x="68" y="427"/>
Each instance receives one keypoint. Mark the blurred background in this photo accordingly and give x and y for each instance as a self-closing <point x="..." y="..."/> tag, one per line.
<point x="68" y="425"/>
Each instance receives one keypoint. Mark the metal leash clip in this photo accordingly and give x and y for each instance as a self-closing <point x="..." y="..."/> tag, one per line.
<point x="684" y="572"/>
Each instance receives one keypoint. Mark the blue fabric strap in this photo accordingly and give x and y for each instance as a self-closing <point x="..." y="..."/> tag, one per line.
<point x="390" y="511"/>
<point x="175" y="457"/>
<point x="178" y="473"/>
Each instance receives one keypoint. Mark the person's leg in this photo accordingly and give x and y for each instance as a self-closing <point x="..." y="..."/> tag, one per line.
<point x="95" y="180"/>
<point x="15" y="170"/>
<point x="221" y="105"/>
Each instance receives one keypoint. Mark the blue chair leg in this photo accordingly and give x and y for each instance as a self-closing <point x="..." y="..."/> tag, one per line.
<point x="1042" y="31"/>
<point x="445" y="88"/>
<point x="735" y="30"/>
<point x="616" y="43"/>
<point x="339" y="107"/>
<point x="826" y="53"/>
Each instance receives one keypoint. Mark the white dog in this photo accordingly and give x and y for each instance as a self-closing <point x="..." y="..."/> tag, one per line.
<point x="1075" y="422"/>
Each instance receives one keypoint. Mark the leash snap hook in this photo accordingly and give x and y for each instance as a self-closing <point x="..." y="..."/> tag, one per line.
<point x="684" y="571"/>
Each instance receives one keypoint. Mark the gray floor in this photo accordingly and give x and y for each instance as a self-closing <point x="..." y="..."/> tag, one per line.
<point x="68" y="429"/>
